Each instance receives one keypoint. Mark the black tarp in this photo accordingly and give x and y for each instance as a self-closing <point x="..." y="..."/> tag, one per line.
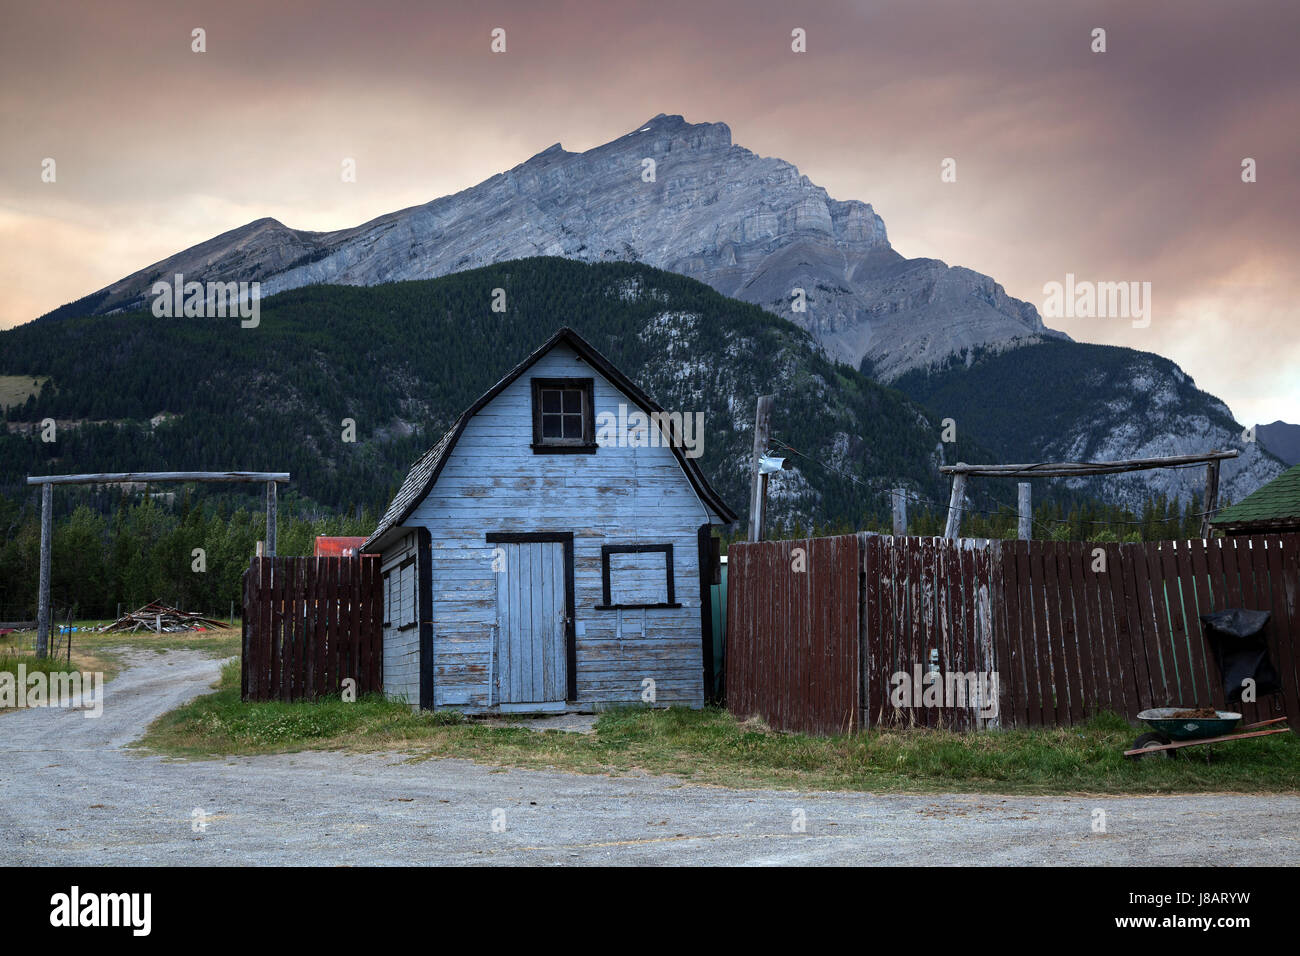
<point x="1236" y="636"/>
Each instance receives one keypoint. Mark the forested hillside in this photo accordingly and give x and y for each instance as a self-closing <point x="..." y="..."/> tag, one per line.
<point x="134" y="392"/>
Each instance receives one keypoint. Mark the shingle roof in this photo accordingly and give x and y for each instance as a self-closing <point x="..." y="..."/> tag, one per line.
<point x="1276" y="504"/>
<point x="425" y="467"/>
<point x="419" y="481"/>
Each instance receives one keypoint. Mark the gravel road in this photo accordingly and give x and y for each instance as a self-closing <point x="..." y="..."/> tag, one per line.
<point x="71" y="794"/>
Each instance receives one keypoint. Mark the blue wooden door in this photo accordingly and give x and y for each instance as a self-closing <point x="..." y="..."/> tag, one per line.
<point x="531" y="625"/>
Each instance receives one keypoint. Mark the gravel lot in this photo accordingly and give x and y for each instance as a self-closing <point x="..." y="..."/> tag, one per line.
<point x="70" y="794"/>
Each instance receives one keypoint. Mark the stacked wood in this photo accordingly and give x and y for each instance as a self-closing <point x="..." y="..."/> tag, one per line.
<point x="161" y="619"/>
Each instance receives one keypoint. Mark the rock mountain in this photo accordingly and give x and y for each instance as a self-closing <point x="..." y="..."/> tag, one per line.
<point x="754" y="229"/>
<point x="749" y="226"/>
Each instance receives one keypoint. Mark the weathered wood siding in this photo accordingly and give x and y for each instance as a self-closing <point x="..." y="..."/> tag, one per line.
<point x="1068" y="628"/>
<point x="401" y="644"/>
<point x="493" y="482"/>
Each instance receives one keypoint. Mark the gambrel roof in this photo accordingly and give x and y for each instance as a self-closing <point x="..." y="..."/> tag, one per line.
<point x="424" y="473"/>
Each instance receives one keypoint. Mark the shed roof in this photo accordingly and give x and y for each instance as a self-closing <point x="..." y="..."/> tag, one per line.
<point x="420" y="480"/>
<point x="1275" y="505"/>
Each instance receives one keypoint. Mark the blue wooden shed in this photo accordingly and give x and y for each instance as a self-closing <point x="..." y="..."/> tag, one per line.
<point x="533" y="562"/>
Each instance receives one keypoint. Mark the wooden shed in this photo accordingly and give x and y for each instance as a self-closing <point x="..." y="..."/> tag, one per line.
<point x="533" y="562"/>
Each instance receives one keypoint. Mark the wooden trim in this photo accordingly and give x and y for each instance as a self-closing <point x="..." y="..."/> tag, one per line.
<point x="153" y="476"/>
<point x="586" y="445"/>
<point x="564" y="538"/>
<point x="704" y="542"/>
<point x="425" y="617"/>
<point x="564" y="449"/>
<point x="632" y="607"/>
<point x="607" y="549"/>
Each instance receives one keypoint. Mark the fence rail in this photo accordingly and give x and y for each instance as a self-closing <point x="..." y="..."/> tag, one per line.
<point x="1020" y="633"/>
<point x="309" y="624"/>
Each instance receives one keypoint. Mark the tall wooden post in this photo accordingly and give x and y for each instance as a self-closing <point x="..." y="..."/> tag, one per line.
<point x="1024" y="512"/>
<point x="1211" y="496"/>
<point x="270" y="518"/>
<point x="953" y="529"/>
<point x="758" y="487"/>
<point x="43" y="594"/>
<point x="900" y="512"/>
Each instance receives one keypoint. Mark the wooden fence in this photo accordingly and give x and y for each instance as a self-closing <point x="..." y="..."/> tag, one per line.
<point x="1069" y="629"/>
<point x="309" y="624"/>
<point x="792" y="633"/>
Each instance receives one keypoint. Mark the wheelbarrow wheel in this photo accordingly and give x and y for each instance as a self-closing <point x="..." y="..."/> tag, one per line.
<point x="1150" y="741"/>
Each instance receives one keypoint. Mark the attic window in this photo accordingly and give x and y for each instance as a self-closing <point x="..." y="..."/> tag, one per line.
<point x="637" y="576"/>
<point x="563" y="417"/>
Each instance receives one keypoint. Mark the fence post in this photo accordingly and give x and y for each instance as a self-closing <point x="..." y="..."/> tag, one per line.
<point x="758" y="484"/>
<point x="1211" y="496"/>
<point x="43" y="594"/>
<point x="953" y="528"/>
<point x="1024" y="512"/>
<point x="270" y="518"/>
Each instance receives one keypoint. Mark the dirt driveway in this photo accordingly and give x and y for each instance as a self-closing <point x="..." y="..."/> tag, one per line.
<point x="71" y="794"/>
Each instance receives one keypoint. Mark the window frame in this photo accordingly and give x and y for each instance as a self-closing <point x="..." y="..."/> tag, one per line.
<point x="586" y="445"/>
<point x="393" y="582"/>
<point x="608" y="549"/>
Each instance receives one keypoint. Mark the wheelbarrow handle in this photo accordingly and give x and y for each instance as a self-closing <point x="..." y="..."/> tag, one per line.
<point x="1265" y="723"/>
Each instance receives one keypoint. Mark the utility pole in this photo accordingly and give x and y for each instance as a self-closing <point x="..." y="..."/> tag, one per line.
<point x="900" y="512"/>
<point x="953" y="529"/>
<point x="1024" y="512"/>
<point x="758" y="483"/>
<point x="1211" y="496"/>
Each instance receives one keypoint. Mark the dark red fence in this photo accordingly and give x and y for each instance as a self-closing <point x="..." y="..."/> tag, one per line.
<point x="309" y="624"/>
<point x="1016" y="633"/>
<point x="792" y="633"/>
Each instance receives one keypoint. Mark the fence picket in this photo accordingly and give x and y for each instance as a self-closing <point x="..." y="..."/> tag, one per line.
<point x="298" y="625"/>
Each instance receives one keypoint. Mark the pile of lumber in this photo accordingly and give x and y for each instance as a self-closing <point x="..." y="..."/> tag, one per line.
<point x="159" y="618"/>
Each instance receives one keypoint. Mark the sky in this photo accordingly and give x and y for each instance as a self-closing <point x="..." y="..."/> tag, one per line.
<point x="1115" y="166"/>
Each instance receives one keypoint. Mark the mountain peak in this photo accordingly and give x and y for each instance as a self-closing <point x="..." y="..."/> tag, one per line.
<point x="670" y="193"/>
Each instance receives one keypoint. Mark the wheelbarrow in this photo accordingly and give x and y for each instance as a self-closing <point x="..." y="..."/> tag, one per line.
<point x="1169" y="733"/>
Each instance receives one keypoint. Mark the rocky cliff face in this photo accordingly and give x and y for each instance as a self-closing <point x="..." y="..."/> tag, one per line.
<point x="1071" y="401"/>
<point x="749" y="226"/>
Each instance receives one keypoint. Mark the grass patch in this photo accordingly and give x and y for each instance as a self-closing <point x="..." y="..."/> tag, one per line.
<point x="219" y="642"/>
<point x="15" y="389"/>
<point x="85" y="662"/>
<point x="712" y="747"/>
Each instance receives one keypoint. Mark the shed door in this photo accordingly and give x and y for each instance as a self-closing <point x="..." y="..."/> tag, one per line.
<point x="531" y="625"/>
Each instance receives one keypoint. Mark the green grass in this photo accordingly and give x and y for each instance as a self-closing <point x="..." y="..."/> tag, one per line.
<point x="15" y="389"/>
<point x="713" y="747"/>
<point x="46" y="665"/>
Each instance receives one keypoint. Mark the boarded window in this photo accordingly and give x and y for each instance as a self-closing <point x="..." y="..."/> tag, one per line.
<point x="637" y="575"/>
<point x="400" y="596"/>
